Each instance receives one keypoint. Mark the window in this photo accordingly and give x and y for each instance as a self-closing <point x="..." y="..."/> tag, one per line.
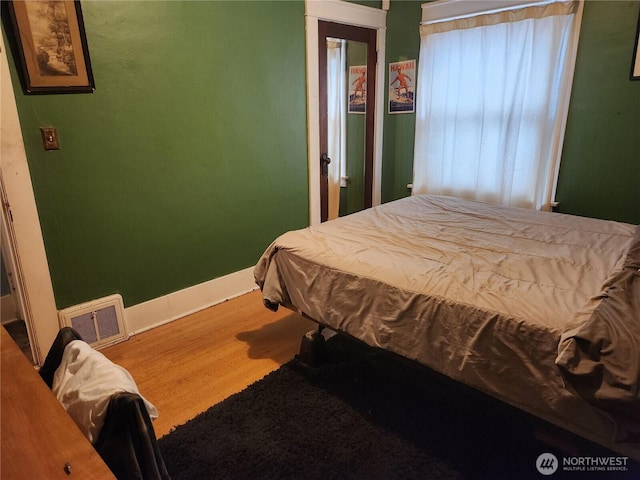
<point x="492" y="96"/>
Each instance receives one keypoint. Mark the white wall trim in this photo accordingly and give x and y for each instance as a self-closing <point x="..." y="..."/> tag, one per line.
<point x="346" y="12"/>
<point x="350" y="14"/>
<point x="158" y="311"/>
<point x="566" y="99"/>
<point x="24" y="232"/>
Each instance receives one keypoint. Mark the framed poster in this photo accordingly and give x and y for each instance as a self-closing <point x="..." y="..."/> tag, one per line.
<point x="50" y="46"/>
<point x="402" y="86"/>
<point x="358" y="89"/>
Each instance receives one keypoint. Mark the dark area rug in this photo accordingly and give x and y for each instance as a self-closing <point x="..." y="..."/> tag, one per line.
<point x="365" y="414"/>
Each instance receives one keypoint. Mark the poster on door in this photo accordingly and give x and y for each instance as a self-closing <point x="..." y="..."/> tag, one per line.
<point x="357" y="89"/>
<point x="402" y="87"/>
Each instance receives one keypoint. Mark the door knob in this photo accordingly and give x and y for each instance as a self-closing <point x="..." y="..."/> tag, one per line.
<point x="324" y="163"/>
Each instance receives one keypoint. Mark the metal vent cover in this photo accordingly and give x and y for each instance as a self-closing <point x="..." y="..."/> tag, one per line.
<point x="99" y="322"/>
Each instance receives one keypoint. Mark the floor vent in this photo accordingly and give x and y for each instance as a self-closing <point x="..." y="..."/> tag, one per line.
<point x="99" y="323"/>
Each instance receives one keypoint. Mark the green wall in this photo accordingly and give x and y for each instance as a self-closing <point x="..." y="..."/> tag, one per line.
<point x="403" y="43"/>
<point x="187" y="160"/>
<point x="600" y="168"/>
<point x="191" y="155"/>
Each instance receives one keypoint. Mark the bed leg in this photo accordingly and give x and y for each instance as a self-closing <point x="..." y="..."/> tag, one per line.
<point x="313" y="350"/>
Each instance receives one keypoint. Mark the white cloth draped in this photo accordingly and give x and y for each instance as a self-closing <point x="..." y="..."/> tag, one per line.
<point x="84" y="383"/>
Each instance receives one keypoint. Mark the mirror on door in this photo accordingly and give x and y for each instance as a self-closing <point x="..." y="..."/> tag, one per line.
<point x="347" y="67"/>
<point x="346" y="125"/>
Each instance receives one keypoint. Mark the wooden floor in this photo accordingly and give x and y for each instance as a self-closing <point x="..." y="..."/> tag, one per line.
<point x="190" y="364"/>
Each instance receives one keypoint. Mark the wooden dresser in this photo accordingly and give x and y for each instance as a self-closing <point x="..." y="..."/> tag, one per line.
<point x="38" y="439"/>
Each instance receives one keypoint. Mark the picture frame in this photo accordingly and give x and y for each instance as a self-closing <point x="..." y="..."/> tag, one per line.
<point x="402" y="87"/>
<point x="50" y="46"/>
<point x="635" y="64"/>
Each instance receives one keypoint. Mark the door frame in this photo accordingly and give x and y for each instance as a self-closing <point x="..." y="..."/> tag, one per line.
<point x="11" y="307"/>
<point x="22" y="235"/>
<point x="349" y="14"/>
<point x="366" y="36"/>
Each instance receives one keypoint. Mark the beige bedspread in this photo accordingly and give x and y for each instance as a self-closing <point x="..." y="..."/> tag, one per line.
<point x="599" y="350"/>
<point x="479" y="292"/>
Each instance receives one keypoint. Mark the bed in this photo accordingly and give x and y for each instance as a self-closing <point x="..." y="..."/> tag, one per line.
<point x="538" y="309"/>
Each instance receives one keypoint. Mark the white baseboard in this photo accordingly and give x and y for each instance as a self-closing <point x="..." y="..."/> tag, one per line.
<point x="161" y="310"/>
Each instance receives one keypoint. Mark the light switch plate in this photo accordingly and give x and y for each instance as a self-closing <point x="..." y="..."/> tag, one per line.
<point x="49" y="138"/>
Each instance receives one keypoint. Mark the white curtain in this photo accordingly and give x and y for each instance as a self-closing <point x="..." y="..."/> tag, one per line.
<point x="489" y="102"/>
<point x="337" y="120"/>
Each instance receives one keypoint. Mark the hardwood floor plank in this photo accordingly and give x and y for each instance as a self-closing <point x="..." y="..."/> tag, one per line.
<point x="188" y="365"/>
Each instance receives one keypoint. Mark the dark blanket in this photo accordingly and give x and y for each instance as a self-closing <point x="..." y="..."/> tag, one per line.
<point x="127" y="441"/>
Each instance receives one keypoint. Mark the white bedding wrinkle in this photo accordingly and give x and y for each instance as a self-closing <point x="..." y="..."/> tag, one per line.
<point x="84" y="383"/>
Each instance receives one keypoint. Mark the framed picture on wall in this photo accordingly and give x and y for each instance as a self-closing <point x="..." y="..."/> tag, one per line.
<point x="635" y="66"/>
<point x="50" y="46"/>
<point x="402" y="86"/>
